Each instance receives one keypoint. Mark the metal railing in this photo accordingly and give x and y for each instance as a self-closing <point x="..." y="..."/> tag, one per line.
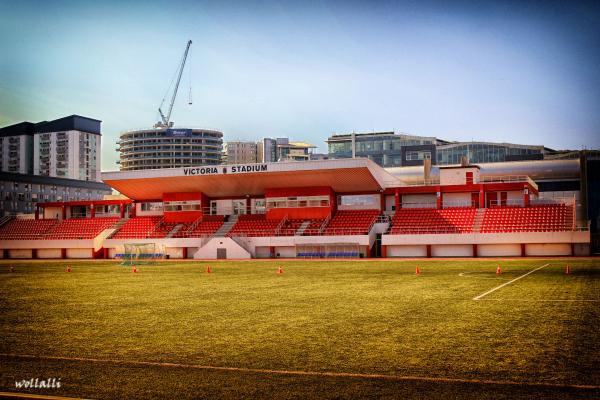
<point x="506" y="203"/>
<point x="508" y="179"/>
<point x="423" y="182"/>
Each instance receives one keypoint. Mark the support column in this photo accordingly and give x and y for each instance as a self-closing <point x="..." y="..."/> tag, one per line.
<point x="523" y="252"/>
<point x="92" y="211"/>
<point x="34" y="253"/>
<point x="248" y="206"/>
<point x="382" y="202"/>
<point x="383" y="251"/>
<point x="368" y="252"/>
<point x="64" y="211"/>
<point x="475" y="250"/>
<point x="572" y="249"/>
<point x="398" y="204"/>
<point x="481" y="197"/>
<point x="271" y="251"/>
<point x="185" y="252"/>
<point x="439" y="199"/>
<point x="63" y="253"/>
<point x="37" y="211"/>
<point x="133" y="207"/>
<point x="105" y="253"/>
<point x="526" y="197"/>
<point x="428" y="251"/>
<point x="122" y="210"/>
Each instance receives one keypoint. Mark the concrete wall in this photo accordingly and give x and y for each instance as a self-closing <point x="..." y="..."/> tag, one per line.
<point x="452" y="250"/>
<point x="174" y="252"/>
<point x="457" y="176"/>
<point x="19" y="253"/>
<point x="548" y="249"/>
<point x="79" y="253"/>
<point x="209" y="250"/>
<point x="407" y="251"/>
<point x="498" y="250"/>
<point x="49" y="253"/>
<point x="261" y="252"/>
<point x="285" y="251"/>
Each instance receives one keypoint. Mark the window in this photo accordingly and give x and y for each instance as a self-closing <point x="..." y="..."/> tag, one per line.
<point x="295" y="202"/>
<point x="152" y="206"/>
<point x="360" y="201"/>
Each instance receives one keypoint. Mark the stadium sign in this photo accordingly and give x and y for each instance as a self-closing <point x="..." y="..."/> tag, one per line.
<point x="234" y="169"/>
<point x="201" y="171"/>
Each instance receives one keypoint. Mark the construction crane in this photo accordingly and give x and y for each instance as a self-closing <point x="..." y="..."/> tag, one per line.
<point x="165" y="121"/>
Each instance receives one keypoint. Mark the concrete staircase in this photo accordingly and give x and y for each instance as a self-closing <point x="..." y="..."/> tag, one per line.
<point x="302" y="228"/>
<point x="478" y="220"/>
<point x="116" y="227"/>
<point x="226" y="227"/>
<point x="175" y="229"/>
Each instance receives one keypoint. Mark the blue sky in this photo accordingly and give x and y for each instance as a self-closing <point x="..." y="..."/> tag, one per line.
<point x="524" y="72"/>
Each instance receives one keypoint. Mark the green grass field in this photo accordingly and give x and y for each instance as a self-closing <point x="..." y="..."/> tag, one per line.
<point x="406" y="336"/>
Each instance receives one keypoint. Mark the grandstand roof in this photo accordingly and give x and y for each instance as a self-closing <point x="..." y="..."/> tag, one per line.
<point x="343" y="176"/>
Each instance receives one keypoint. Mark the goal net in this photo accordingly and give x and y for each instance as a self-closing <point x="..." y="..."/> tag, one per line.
<point x="141" y="253"/>
<point x="328" y="250"/>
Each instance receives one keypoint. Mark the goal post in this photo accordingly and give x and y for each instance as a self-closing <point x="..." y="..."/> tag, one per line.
<point x="328" y="250"/>
<point x="141" y="253"/>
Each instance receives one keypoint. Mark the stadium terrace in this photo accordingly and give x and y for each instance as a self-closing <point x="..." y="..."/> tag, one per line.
<point x="316" y="209"/>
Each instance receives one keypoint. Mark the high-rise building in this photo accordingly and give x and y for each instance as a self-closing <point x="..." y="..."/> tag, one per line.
<point x="68" y="148"/>
<point x="238" y="152"/>
<point x="169" y="148"/>
<point x="55" y="160"/>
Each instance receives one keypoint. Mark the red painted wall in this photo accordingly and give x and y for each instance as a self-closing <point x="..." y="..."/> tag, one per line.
<point x="301" y="212"/>
<point x="184" y="216"/>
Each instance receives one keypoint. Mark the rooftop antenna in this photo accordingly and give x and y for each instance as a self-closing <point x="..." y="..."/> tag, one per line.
<point x="165" y="121"/>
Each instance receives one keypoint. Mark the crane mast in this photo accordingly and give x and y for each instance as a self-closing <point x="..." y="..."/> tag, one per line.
<point x="166" y="120"/>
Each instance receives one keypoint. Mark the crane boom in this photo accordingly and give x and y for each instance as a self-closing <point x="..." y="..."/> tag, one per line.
<point x="165" y="123"/>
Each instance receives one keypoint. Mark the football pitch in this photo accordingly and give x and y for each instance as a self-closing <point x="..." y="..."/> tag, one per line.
<point x="322" y="329"/>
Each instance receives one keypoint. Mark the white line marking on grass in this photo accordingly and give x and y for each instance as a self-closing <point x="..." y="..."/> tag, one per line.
<point x="509" y="282"/>
<point x="299" y="372"/>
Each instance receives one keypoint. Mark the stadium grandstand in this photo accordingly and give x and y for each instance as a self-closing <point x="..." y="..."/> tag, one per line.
<point x="328" y="208"/>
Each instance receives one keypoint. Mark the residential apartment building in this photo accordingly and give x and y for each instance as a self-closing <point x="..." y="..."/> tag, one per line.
<point x="169" y="148"/>
<point x="238" y="152"/>
<point x="54" y="160"/>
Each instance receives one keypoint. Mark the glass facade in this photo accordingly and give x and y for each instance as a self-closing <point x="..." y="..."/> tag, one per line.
<point x="386" y="149"/>
<point x="383" y="148"/>
<point x="482" y="152"/>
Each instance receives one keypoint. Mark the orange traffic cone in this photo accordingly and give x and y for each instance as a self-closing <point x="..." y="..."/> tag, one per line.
<point x="68" y="269"/>
<point x="498" y="270"/>
<point x="417" y="271"/>
<point x="568" y="270"/>
<point x="134" y="270"/>
<point x="279" y="271"/>
<point x="208" y="269"/>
